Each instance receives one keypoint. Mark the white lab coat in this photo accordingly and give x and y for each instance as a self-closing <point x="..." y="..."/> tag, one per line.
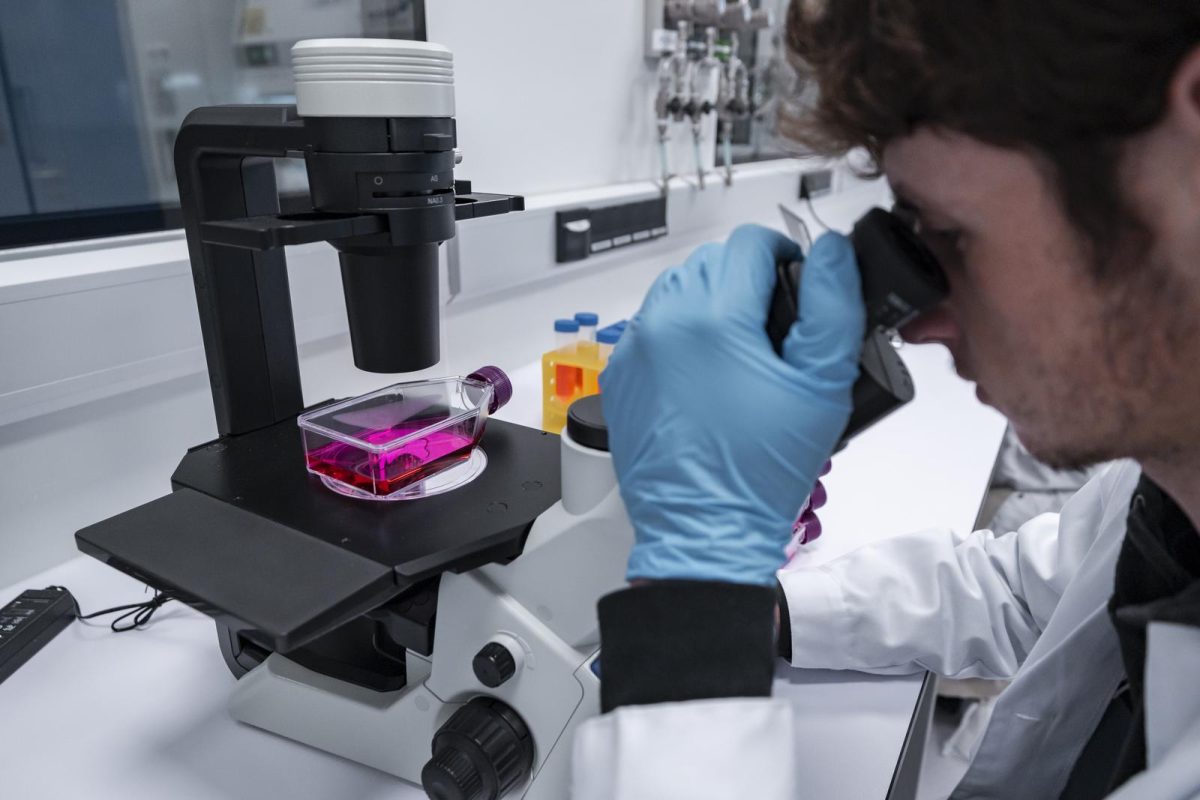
<point x="1029" y="605"/>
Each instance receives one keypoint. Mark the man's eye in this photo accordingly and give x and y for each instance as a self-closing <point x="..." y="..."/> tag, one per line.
<point x="947" y="236"/>
<point x="941" y="238"/>
<point x="944" y="241"/>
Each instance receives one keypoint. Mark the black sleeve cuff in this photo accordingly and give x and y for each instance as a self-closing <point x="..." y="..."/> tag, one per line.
<point x="671" y="641"/>
<point x="784" y="634"/>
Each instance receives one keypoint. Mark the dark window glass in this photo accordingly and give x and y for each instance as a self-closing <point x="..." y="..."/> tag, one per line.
<point x="93" y="93"/>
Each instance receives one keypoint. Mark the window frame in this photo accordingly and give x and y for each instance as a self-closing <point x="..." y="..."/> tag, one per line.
<point x="50" y="228"/>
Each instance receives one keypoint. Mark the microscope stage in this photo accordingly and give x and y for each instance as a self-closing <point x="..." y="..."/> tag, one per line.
<point x="484" y="520"/>
<point x="251" y="538"/>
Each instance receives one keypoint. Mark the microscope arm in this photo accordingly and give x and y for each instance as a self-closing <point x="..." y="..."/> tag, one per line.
<point x="222" y="165"/>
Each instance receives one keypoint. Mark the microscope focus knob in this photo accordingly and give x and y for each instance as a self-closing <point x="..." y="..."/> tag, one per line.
<point x="494" y="664"/>
<point x="482" y="752"/>
<point x="451" y="775"/>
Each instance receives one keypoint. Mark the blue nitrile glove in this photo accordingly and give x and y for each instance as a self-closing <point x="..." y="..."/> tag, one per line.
<point x="716" y="440"/>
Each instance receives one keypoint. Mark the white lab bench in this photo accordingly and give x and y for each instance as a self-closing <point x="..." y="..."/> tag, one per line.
<point x="142" y="714"/>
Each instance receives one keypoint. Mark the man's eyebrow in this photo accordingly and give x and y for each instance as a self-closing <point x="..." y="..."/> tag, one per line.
<point x="911" y="203"/>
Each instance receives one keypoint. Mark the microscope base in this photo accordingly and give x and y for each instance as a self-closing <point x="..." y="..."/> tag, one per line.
<point x="390" y="731"/>
<point x="554" y="692"/>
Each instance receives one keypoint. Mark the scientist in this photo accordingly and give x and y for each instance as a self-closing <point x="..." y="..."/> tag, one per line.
<point x="1050" y="153"/>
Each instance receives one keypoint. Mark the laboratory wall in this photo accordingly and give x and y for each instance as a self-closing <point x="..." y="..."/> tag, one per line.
<point x="558" y="94"/>
<point x="102" y="380"/>
<point x="551" y="95"/>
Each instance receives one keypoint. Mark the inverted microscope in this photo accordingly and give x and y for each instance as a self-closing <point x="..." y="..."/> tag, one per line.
<point x="404" y="635"/>
<point x="450" y="640"/>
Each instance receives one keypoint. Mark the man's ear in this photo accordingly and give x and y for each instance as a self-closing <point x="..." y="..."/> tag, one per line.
<point x="1183" y="99"/>
<point x="1181" y="126"/>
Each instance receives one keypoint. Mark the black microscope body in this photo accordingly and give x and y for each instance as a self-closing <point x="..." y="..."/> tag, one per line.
<point x="247" y="536"/>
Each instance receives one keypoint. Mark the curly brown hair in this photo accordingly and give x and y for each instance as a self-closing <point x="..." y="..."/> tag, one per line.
<point x="1068" y="81"/>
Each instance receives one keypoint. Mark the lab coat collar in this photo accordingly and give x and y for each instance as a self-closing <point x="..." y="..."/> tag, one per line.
<point x="1157" y="580"/>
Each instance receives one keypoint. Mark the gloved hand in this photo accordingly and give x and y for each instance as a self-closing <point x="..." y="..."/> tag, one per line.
<point x="716" y="440"/>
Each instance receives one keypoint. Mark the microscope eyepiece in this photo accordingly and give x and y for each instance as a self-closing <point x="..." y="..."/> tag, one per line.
<point x="901" y="279"/>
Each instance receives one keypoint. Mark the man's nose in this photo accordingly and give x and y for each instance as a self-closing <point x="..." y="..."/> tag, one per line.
<point x="935" y="326"/>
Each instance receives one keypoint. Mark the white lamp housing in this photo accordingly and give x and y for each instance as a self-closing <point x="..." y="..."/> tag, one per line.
<point x="373" y="78"/>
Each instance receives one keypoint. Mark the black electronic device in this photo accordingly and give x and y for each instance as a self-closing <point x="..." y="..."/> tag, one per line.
<point x="901" y="279"/>
<point x="29" y="622"/>
<point x="815" y="183"/>
<point x="581" y="232"/>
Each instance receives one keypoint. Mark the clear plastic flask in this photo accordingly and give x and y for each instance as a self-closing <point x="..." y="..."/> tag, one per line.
<point x="405" y="441"/>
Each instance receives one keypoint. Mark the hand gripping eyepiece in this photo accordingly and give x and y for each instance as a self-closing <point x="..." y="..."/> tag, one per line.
<point x="901" y="279"/>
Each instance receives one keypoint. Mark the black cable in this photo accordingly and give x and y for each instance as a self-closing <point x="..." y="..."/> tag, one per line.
<point x="140" y="612"/>
<point x="812" y="210"/>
